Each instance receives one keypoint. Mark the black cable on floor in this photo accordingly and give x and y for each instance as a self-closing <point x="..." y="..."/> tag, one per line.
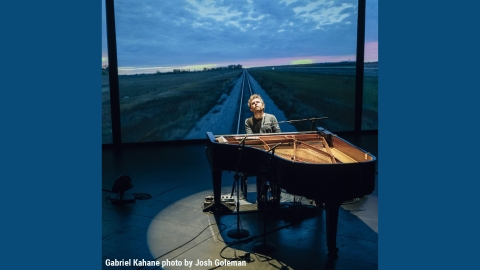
<point x="187" y="243"/>
<point x="245" y="240"/>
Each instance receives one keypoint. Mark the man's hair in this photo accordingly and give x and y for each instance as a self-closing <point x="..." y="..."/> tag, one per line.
<point x="254" y="96"/>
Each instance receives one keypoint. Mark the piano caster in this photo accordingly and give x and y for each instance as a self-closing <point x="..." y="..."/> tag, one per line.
<point x="333" y="253"/>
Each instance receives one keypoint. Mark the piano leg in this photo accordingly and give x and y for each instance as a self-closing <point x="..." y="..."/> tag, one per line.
<point x="331" y="213"/>
<point x="217" y="206"/>
<point x="261" y="193"/>
<point x="276" y="192"/>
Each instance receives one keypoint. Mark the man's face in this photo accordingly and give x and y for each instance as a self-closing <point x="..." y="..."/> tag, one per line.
<point x="256" y="105"/>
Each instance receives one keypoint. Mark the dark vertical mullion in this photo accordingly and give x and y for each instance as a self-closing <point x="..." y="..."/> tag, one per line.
<point x="113" y="73"/>
<point x="360" y="66"/>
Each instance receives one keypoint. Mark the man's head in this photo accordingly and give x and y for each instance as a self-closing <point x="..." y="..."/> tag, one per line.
<point x="255" y="103"/>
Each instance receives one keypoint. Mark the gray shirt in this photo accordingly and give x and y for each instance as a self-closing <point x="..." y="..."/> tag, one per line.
<point x="268" y="124"/>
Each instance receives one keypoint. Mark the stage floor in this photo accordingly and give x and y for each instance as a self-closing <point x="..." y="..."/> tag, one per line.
<point x="166" y="223"/>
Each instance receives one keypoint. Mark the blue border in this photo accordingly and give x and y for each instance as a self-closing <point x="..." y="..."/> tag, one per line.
<point x="51" y="135"/>
<point x="428" y="151"/>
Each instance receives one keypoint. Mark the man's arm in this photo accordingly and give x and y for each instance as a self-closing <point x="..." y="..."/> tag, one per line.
<point x="276" y="127"/>
<point x="274" y="124"/>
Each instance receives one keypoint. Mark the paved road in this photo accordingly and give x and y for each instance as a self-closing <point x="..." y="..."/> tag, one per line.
<point x="222" y="119"/>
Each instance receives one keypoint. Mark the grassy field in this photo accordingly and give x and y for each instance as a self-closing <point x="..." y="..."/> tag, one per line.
<point x="306" y="95"/>
<point x="157" y="107"/>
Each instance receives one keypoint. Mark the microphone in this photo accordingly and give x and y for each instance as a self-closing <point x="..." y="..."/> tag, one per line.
<point x="303" y="120"/>
<point x="298" y="120"/>
<point x="273" y="148"/>
<point x="243" y="140"/>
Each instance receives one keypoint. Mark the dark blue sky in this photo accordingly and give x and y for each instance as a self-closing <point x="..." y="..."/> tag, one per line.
<point x="191" y="34"/>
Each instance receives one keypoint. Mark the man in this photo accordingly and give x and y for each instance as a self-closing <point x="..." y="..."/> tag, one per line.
<point x="260" y="122"/>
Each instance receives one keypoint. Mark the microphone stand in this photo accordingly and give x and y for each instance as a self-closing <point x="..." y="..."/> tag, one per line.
<point x="238" y="233"/>
<point x="264" y="246"/>
<point x="312" y="121"/>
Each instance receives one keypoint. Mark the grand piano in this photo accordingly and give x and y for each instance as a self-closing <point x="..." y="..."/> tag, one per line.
<point x="316" y="164"/>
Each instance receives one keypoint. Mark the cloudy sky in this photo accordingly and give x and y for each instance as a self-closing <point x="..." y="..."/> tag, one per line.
<point x="191" y="34"/>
